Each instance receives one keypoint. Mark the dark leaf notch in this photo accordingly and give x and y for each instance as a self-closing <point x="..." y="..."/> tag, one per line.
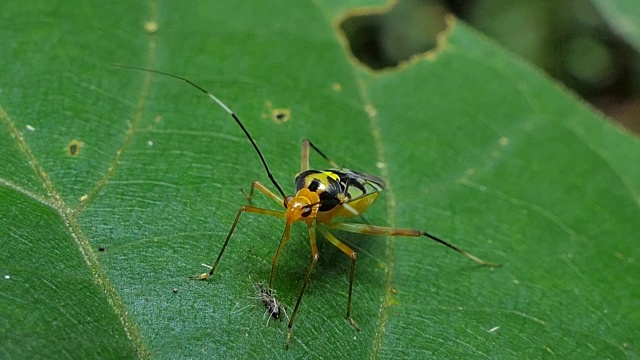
<point x="385" y="37"/>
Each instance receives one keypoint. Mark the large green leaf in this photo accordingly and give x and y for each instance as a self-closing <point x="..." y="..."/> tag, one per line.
<point x="476" y="146"/>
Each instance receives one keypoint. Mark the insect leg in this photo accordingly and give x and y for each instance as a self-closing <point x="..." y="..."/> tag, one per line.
<point x="304" y="163"/>
<point x="263" y="189"/>
<point x="274" y="262"/>
<point x="243" y="209"/>
<point x="381" y="230"/>
<point x="305" y="155"/>
<point x="352" y="254"/>
<point x="315" y="256"/>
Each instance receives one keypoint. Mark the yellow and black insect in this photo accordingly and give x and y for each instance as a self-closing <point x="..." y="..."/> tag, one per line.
<point x="323" y="200"/>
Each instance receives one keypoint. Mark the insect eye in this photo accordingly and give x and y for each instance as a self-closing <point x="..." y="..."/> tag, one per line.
<point x="306" y="211"/>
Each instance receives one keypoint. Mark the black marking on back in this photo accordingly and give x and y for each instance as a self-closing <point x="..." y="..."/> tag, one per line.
<point x="350" y="186"/>
<point x="314" y="185"/>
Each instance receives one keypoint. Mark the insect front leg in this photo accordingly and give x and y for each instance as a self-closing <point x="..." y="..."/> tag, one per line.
<point x="314" y="256"/>
<point x="382" y="230"/>
<point x="263" y="189"/>
<point x="249" y="209"/>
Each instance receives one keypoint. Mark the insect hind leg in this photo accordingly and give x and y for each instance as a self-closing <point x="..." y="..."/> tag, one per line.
<point x="351" y="254"/>
<point x="382" y="230"/>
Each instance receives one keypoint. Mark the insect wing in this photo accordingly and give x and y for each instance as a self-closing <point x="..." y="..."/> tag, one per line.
<point x="359" y="184"/>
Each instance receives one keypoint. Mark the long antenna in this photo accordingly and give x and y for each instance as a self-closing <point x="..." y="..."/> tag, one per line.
<point x="222" y="105"/>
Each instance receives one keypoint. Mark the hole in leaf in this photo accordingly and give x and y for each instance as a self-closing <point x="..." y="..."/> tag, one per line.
<point x="74" y="147"/>
<point x="383" y="39"/>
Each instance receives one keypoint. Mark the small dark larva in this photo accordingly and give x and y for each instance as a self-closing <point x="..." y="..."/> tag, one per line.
<point x="273" y="307"/>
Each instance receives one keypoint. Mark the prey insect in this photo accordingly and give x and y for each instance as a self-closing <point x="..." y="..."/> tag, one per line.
<point x="274" y="308"/>
<point x="323" y="200"/>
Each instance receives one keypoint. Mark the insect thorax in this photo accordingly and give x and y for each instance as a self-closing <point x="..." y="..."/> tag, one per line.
<point x="336" y="186"/>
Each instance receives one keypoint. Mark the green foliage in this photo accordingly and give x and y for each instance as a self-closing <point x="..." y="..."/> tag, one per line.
<point x="622" y="16"/>
<point x="477" y="148"/>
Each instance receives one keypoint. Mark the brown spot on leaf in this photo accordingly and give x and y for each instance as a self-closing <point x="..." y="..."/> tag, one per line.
<point x="151" y="27"/>
<point x="74" y="147"/>
<point x="280" y="115"/>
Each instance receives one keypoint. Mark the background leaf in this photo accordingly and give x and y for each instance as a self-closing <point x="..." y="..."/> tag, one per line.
<point x="477" y="147"/>
<point x="622" y="16"/>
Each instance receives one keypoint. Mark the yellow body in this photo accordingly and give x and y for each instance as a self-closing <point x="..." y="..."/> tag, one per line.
<point x="360" y="205"/>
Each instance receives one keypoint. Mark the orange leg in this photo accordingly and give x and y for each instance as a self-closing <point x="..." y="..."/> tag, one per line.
<point x="352" y="254"/>
<point x="263" y="189"/>
<point x="314" y="256"/>
<point x="381" y="230"/>
<point x="243" y="209"/>
<point x="304" y="163"/>
<point x="274" y="262"/>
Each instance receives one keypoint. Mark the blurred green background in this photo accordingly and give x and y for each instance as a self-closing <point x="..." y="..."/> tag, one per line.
<point x="578" y="42"/>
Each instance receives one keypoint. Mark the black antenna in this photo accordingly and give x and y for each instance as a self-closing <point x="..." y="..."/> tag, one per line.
<point x="222" y="105"/>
